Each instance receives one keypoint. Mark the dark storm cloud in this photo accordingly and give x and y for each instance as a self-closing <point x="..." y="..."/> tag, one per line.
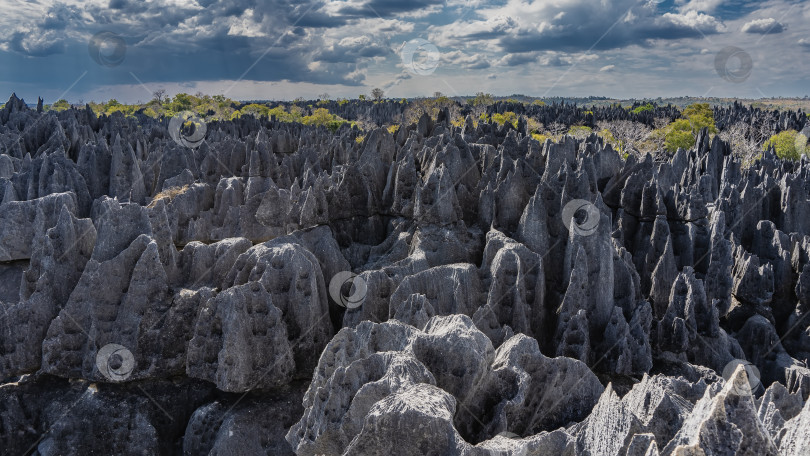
<point x="342" y="41"/>
<point x="575" y="34"/>
<point x="167" y="43"/>
<point x="42" y="45"/>
<point x="59" y="16"/>
<point x="350" y="49"/>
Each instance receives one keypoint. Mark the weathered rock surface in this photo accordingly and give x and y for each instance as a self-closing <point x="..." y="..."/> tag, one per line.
<point x="497" y="296"/>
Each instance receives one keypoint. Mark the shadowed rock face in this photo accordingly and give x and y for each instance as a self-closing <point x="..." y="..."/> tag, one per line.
<point x="495" y="295"/>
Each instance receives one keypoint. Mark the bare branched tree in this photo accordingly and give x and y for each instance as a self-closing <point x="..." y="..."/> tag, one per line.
<point x="160" y="95"/>
<point x="630" y="135"/>
<point x="431" y="107"/>
<point x="377" y="93"/>
<point x="556" y="129"/>
<point x="745" y="140"/>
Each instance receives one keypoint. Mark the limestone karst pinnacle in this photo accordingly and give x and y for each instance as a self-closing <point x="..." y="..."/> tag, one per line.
<point x="488" y="325"/>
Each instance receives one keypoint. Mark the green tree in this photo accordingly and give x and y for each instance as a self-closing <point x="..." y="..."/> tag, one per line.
<point x="679" y="135"/>
<point x="640" y="109"/>
<point x="700" y="115"/>
<point x="323" y="117"/>
<point x="683" y="132"/>
<point x="60" y="105"/>
<point x="182" y="102"/>
<point x="784" y="144"/>
<point x="508" y="116"/>
<point x="482" y="99"/>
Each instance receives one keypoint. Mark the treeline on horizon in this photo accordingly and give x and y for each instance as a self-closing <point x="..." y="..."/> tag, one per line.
<point x="650" y="127"/>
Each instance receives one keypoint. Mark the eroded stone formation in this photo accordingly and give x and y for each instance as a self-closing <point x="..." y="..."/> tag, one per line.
<point x="510" y="298"/>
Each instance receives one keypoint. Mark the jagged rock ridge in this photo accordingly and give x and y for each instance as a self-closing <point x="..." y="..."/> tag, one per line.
<point x="518" y="297"/>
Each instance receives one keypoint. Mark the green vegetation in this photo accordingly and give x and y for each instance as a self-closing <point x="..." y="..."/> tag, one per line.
<point x="700" y="115"/>
<point x="607" y="135"/>
<point x="482" y="99"/>
<point x="216" y="107"/>
<point x="322" y="117"/>
<point x="60" y="105"/>
<point x="580" y="132"/>
<point x="679" y="134"/>
<point x="643" y="108"/>
<point x="534" y="126"/>
<point x="459" y="121"/>
<point x="431" y="107"/>
<point x="629" y="138"/>
<point x="319" y="117"/>
<point x="508" y="116"/>
<point x="683" y="132"/>
<point x="785" y="145"/>
<point x="258" y="110"/>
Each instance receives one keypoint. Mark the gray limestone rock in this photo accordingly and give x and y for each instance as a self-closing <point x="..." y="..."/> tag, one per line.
<point x="240" y="341"/>
<point x="58" y="260"/>
<point x="145" y="266"/>
<point x="724" y="423"/>
<point x="291" y="275"/>
<point x="252" y="426"/>
<point x="796" y="440"/>
<point x="609" y="428"/>
<point x="388" y="427"/>
<point x="19" y="221"/>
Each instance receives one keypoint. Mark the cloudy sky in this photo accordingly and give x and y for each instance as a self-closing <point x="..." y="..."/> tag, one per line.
<point x="271" y="49"/>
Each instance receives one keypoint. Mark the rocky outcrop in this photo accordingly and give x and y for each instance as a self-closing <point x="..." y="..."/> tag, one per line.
<point x="444" y="289"/>
<point x="365" y="371"/>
